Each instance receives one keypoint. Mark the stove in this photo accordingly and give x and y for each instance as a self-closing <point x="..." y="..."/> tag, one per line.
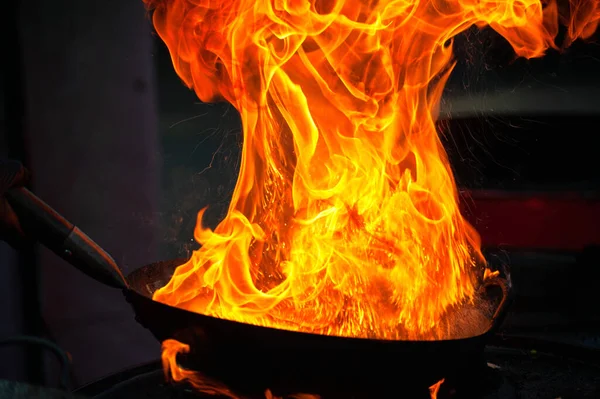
<point x="513" y="368"/>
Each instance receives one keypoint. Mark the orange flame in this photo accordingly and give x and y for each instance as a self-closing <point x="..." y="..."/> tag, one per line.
<point x="344" y="220"/>
<point x="435" y="388"/>
<point x="170" y="349"/>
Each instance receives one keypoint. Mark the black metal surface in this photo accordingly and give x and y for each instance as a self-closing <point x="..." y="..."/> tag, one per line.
<point x="253" y="358"/>
<point x="506" y="373"/>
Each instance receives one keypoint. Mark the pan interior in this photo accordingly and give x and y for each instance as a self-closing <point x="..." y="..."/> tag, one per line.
<point x="149" y="278"/>
<point x="468" y="320"/>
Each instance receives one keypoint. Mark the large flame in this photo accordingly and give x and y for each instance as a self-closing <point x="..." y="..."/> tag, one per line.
<point x="344" y="220"/>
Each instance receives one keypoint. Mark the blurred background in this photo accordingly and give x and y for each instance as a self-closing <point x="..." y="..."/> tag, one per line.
<point x="124" y="150"/>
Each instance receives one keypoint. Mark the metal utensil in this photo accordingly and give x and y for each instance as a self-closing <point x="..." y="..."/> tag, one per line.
<point x="41" y="222"/>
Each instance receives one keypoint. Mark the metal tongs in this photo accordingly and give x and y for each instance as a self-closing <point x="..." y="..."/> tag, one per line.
<point x="51" y="229"/>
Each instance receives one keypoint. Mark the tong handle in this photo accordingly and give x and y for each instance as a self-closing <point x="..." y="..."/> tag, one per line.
<point x="42" y="222"/>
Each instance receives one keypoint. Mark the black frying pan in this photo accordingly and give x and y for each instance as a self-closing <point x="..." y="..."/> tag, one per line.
<point x="251" y="359"/>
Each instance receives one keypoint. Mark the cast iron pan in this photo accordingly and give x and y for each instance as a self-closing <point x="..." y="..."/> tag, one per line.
<point x="250" y="359"/>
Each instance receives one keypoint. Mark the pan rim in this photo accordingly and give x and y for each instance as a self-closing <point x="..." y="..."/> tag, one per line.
<point x="135" y="290"/>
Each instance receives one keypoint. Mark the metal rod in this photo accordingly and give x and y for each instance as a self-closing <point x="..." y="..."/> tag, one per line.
<point x="40" y="221"/>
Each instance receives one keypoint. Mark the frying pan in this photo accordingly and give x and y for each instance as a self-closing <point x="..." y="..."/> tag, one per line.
<point x="251" y="359"/>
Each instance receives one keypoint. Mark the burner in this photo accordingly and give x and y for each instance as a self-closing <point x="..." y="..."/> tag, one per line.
<point x="510" y="373"/>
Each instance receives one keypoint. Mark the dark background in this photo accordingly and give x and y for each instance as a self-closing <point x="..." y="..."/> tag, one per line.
<point x="121" y="148"/>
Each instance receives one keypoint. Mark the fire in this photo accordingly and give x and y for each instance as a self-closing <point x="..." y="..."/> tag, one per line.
<point x="170" y="349"/>
<point x="435" y="388"/>
<point x="344" y="220"/>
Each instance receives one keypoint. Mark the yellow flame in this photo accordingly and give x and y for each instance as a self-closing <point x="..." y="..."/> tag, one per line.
<point x="344" y="220"/>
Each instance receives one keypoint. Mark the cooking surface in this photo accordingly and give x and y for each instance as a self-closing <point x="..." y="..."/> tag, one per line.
<point x="510" y="373"/>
